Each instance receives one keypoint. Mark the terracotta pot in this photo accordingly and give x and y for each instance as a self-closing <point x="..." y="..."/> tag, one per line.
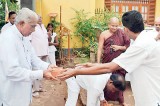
<point x="56" y="71"/>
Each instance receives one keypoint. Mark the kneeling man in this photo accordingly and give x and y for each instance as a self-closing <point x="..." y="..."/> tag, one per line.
<point x="95" y="85"/>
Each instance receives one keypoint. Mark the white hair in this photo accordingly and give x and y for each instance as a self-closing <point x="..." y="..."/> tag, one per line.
<point x="25" y="15"/>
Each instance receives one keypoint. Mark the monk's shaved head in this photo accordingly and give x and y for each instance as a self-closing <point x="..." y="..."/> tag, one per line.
<point x="113" y="24"/>
<point x="113" y="20"/>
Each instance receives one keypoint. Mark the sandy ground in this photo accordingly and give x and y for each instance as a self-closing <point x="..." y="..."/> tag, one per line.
<point x="56" y="91"/>
<point x="56" y="94"/>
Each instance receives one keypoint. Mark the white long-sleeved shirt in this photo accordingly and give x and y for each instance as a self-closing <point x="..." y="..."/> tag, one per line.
<point x="17" y="59"/>
<point x="6" y="26"/>
<point x="39" y="40"/>
<point x="94" y="84"/>
<point x="141" y="61"/>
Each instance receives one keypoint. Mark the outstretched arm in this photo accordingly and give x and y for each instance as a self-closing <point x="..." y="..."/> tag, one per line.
<point x="97" y="69"/>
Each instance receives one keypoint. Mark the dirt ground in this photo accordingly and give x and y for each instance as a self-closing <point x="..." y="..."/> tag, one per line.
<point x="56" y="94"/>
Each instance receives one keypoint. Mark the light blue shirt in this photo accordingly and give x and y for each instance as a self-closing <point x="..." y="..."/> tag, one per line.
<point x="17" y="59"/>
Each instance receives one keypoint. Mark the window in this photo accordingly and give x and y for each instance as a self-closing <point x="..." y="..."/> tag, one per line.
<point x="135" y="8"/>
<point x="144" y="12"/>
<point x="124" y="9"/>
<point x="146" y="7"/>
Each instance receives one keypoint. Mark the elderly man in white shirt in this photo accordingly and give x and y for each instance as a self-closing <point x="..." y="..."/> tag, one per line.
<point x="17" y="60"/>
<point x="11" y="18"/>
<point x="140" y="60"/>
<point x="95" y="85"/>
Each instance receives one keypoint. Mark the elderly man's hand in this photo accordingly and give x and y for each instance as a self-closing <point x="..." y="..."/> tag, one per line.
<point x="48" y="75"/>
<point x="67" y="74"/>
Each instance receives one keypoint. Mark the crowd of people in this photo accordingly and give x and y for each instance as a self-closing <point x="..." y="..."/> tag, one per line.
<point x="28" y="56"/>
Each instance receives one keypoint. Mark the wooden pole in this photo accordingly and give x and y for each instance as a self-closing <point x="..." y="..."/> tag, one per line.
<point x="61" y="53"/>
<point x="68" y="44"/>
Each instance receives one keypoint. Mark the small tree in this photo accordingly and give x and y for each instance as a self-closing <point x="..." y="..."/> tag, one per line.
<point x="83" y="25"/>
<point x="87" y="28"/>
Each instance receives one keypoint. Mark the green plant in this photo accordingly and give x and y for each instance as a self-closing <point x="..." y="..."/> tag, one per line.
<point x="83" y="25"/>
<point x="93" y="47"/>
<point x="79" y="53"/>
<point x="101" y="20"/>
<point x="55" y="24"/>
<point x="2" y="13"/>
<point x="87" y="28"/>
<point x="12" y="5"/>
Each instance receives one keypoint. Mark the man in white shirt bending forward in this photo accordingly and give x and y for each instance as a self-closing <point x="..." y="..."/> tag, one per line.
<point x="95" y="85"/>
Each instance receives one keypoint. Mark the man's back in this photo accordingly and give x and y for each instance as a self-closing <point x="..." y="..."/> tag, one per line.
<point x="94" y="84"/>
<point x="149" y="72"/>
<point x="93" y="81"/>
